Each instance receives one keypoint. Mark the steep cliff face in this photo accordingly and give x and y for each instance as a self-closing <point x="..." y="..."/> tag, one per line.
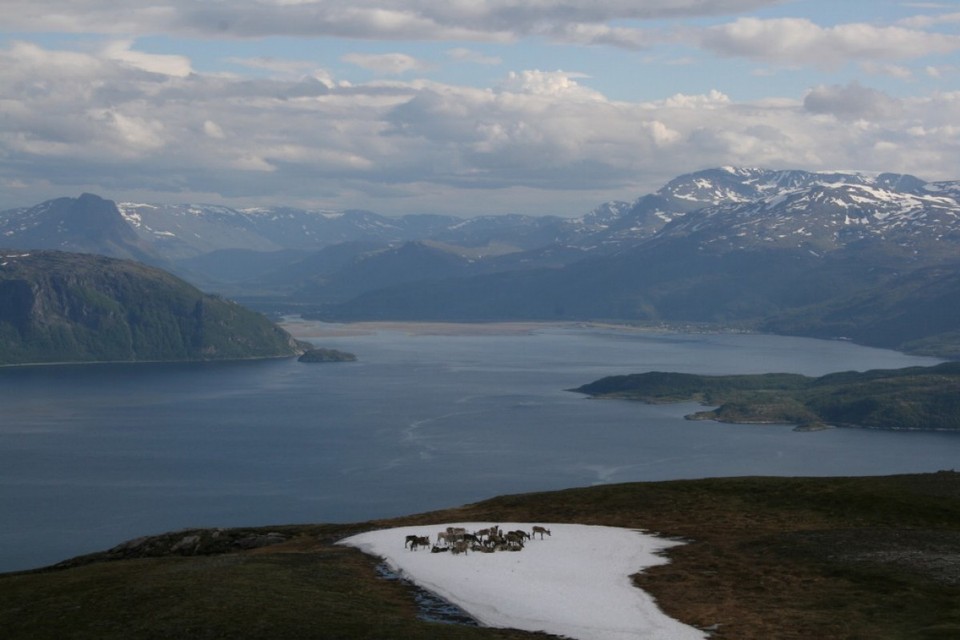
<point x="64" y="307"/>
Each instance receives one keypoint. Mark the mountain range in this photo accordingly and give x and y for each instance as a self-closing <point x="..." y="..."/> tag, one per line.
<point x="872" y="258"/>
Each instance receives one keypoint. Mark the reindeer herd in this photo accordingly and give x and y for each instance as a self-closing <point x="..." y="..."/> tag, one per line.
<point x="456" y="540"/>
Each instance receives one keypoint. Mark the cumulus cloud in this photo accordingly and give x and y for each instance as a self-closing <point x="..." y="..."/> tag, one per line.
<point x="171" y="65"/>
<point x="96" y="122"/>
<point x="852" y="102"/>
<point x="798" y="41"/>
<point x="550" y="83"/>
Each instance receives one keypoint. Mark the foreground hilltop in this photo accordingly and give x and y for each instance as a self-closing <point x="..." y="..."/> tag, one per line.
<point x="763" y="558"/>
<point x="68" y="307"/>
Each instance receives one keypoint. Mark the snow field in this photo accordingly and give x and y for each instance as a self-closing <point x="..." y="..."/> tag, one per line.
<point x="574" y="583"/>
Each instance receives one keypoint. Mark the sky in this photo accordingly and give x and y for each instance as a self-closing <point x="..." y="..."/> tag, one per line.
<point x="463" y="107"/>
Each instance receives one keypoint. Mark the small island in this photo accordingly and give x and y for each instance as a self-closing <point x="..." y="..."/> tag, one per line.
<point x="913" y="398"/>
<point x="327" y="355"/>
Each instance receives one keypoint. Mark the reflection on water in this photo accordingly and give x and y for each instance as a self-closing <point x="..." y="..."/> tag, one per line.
<point x="95" y="454"/>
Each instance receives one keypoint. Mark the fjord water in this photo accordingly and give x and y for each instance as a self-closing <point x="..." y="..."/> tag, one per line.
<point x="92" y="455"/>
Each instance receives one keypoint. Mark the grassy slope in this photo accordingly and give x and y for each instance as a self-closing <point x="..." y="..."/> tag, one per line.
<point x="767" y="558"/>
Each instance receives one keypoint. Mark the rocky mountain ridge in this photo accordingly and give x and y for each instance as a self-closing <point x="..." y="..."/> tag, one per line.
<point x="799" y="207"/>
<point x="816" y="209"/>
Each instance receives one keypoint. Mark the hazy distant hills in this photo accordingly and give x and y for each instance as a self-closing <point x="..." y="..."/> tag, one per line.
<point x="70" y="307"/>
<point x="872" y="258"/>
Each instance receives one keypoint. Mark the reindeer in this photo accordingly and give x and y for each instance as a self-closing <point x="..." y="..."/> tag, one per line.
<point x="494" y="540"/>
<point x="489" y="531"/>
<point x="449" y="536"/>
<point x="411" y="539"/>
<point x="538" y="529"/>
<point x="418" y="541"/>
<point x="514" y="540"/>
<point x="471" y="537"/>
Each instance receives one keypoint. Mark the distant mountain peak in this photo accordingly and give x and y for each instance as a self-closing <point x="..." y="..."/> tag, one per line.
<point x="86" y="224"/>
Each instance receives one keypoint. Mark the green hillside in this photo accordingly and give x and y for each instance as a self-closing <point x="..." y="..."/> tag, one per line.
<point x="914" y="398"/>
<point x="66" y="307"/>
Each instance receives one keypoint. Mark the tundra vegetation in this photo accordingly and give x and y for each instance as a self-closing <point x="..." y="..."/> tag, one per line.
<point x="786" y="558"/>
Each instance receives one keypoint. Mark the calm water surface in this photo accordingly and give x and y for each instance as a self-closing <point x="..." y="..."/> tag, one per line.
<point x="96" y="454"/>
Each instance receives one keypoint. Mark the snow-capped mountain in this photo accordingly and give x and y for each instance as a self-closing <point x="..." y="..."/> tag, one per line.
<point x="725" y="207"/>
<point x="730" y="208"/>
<point x="825" y="212"/>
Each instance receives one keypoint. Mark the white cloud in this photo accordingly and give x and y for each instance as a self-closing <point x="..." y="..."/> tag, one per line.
<point x="601" y="34"/>
<point x="213" y="130"/>
<point x="852" y="102"/>
<point x="548" y="83"/>
<point x="892" y="70"/>
<point x="129" y="134"/>
<point x="171" y="65"/>
<point x="386" y="63"/>
<point x="799" y="41"/>
<point x="423" y="19"/>
<point x="926" y="21"/>
<point x="538" y="141"/>
<point x="711" y="100"/>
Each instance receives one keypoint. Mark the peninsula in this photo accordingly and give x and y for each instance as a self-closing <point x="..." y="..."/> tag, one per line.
<point x="71" y="307"/>
<point x="913" y="398"/>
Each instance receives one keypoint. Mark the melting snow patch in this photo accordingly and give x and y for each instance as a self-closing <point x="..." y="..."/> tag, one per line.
<point x="574" y="582"/>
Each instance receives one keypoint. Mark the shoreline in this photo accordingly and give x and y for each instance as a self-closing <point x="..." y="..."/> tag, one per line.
<point x="319" y="329"/>
<point x="85" y="362"/>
